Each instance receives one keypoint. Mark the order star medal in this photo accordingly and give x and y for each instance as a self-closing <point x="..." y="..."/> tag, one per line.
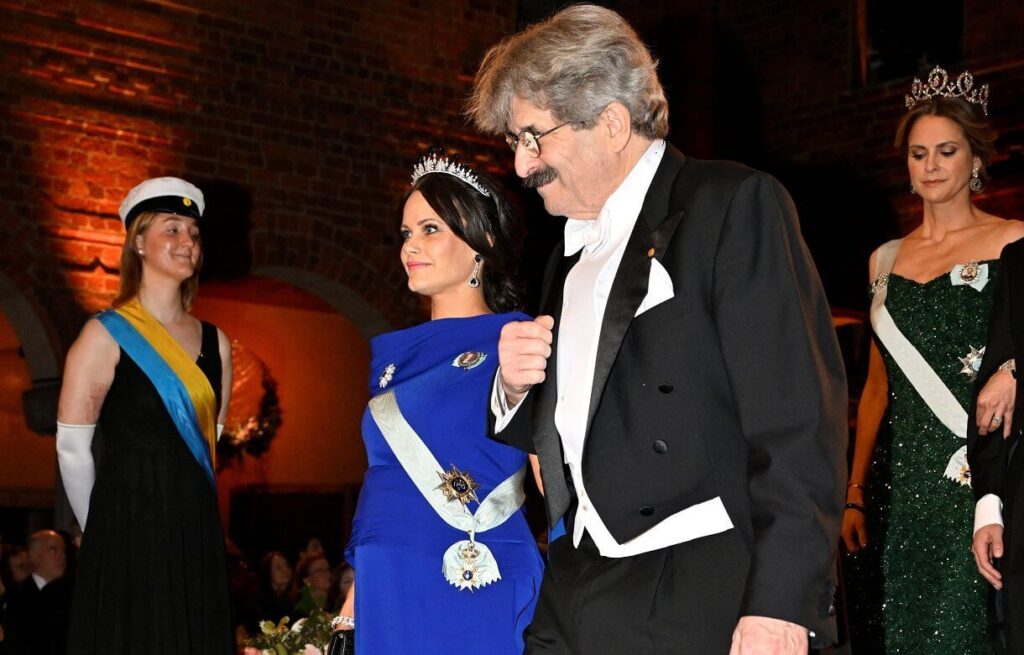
<point x="972" y="362"/>
<point x="458" y="485"/>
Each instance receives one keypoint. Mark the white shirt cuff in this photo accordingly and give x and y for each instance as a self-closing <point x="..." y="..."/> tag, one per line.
<point x="988" y="511"/>
<point x="499" y="405"/>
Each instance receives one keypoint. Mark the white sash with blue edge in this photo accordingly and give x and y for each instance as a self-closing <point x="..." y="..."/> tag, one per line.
<point x="936" y="395"/>
<point x="467" y="564"/>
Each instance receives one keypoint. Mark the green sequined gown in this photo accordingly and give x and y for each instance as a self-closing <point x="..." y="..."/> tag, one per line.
<point x="934" y="598"/>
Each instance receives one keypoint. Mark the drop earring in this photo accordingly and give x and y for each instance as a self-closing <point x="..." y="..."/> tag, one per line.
<point x="474" y="281"/>
<point x="976" y="185"/>
<point x="913" y="191"/>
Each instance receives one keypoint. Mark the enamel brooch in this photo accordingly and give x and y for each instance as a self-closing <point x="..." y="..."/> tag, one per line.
<point x="969" y="273"/>
<point x="469" y="359"/>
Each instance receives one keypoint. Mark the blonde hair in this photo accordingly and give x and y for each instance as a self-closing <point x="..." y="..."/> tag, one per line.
<point x="131" y="265"/>
<point x="573" y="64"/>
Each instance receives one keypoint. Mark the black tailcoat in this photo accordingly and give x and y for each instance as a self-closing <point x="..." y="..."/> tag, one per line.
<point x="997" y="464"/>
<point x="734" y="388"/>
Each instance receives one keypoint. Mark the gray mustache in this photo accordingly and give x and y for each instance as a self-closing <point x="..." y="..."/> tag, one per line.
<point x="540" y="178"/>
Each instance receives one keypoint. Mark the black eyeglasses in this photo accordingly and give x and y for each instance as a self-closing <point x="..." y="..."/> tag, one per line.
<point x="530" y="140"/>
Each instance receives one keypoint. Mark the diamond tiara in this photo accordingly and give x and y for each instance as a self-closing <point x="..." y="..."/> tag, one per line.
<point x="939" y="85"/>
<point x="434" y="164"/>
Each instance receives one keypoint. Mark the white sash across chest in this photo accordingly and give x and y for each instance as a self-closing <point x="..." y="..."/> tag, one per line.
<point x="467" y="564"/>
<point x="933" y="391"/>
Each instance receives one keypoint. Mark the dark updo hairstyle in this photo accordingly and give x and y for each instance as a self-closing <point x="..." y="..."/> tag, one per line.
<point x="980" y="135"/>
<point x="488" y="225"/>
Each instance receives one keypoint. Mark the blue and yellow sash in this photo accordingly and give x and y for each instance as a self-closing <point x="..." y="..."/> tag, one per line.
<point x="182" y="386"/>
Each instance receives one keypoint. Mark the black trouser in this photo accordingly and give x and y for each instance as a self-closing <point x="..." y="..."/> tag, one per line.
<point x="682" y="599"/>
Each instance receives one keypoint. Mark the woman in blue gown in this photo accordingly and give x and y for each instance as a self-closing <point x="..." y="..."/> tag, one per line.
<point x="444" y="559"/>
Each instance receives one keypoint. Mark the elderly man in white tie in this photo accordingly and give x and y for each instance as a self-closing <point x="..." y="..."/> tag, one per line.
<point x="683" y="389"/>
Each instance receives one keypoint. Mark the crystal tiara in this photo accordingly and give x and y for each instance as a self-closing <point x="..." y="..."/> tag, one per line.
<point x="434" y="164"/>
<point x="939" y="85"/>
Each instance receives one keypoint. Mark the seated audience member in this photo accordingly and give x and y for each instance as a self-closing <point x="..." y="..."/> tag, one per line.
<point x="39" y="607"/>
<point x="317" y="582"/>
<point x="278" y="592"/>
<point x="344" y="576"/>
<point x="16" y="566"/>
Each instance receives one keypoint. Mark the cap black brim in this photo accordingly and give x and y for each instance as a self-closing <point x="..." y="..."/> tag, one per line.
<point x="178" y="205"/>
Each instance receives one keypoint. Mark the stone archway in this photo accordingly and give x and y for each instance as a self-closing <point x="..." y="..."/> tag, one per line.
<point x="31" y="367"/>
<point x="341" y="298"/>
<point x="41" y="355"/>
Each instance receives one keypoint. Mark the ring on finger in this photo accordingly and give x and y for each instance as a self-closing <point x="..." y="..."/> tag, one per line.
<point x="997" y="420"/>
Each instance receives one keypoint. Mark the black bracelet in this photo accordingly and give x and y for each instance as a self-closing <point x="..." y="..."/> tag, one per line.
<point x="857" y="506"/>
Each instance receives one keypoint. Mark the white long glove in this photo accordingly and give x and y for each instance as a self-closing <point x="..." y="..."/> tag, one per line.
<point x="77" y="469"/>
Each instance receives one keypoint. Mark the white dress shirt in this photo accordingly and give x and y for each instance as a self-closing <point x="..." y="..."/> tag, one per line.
<point x="587" y="287"/>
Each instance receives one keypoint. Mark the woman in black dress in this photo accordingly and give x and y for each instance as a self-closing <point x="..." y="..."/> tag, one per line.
<point x="155" y="382"/>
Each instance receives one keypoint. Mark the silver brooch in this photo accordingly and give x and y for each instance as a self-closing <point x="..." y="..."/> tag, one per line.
<point x="880" y="283"/>
<point x="972" y="362"/>
<point x="385" y="379"/>
<point x="470" y="359"/>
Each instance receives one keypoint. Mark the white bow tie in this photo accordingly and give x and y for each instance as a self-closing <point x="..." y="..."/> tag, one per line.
<point x="581" y="234"/>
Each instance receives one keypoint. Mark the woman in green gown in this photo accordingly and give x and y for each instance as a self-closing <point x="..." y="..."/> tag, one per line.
<point x="931" y="295"/>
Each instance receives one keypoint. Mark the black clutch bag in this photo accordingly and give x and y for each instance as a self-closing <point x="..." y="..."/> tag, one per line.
<point x="342" y="642"/>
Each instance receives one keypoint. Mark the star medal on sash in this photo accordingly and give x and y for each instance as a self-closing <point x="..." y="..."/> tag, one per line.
<point x="458" y="485"/>
<point x="972" y="362"/>
<point x="385" y="379"/>
<point x="469" y="359"/>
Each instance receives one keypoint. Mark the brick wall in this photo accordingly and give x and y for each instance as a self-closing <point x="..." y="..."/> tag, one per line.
<point x="303" y="122"/>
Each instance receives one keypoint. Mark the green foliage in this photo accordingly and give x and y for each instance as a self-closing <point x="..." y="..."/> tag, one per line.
<point x="279" y="639"/>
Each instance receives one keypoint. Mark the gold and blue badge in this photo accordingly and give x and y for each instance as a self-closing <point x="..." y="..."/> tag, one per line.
<point x="458" y="485"/>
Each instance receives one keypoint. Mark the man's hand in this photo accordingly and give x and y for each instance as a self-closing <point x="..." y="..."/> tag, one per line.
<point x="995" y="404"/>
<point x="523" y="351"/>
<point x="988" y="544"/>
<point x="760" y="635"/>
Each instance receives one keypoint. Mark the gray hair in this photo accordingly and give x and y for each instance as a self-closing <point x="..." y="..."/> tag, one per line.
<point x="573" y="64"/>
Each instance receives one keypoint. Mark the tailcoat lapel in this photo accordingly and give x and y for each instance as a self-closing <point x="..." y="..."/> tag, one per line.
<point x="545" y="435"/>
<point x="650" y="237"/>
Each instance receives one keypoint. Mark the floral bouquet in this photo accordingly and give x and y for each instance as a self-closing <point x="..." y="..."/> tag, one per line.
<point x="306" y="637"/>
